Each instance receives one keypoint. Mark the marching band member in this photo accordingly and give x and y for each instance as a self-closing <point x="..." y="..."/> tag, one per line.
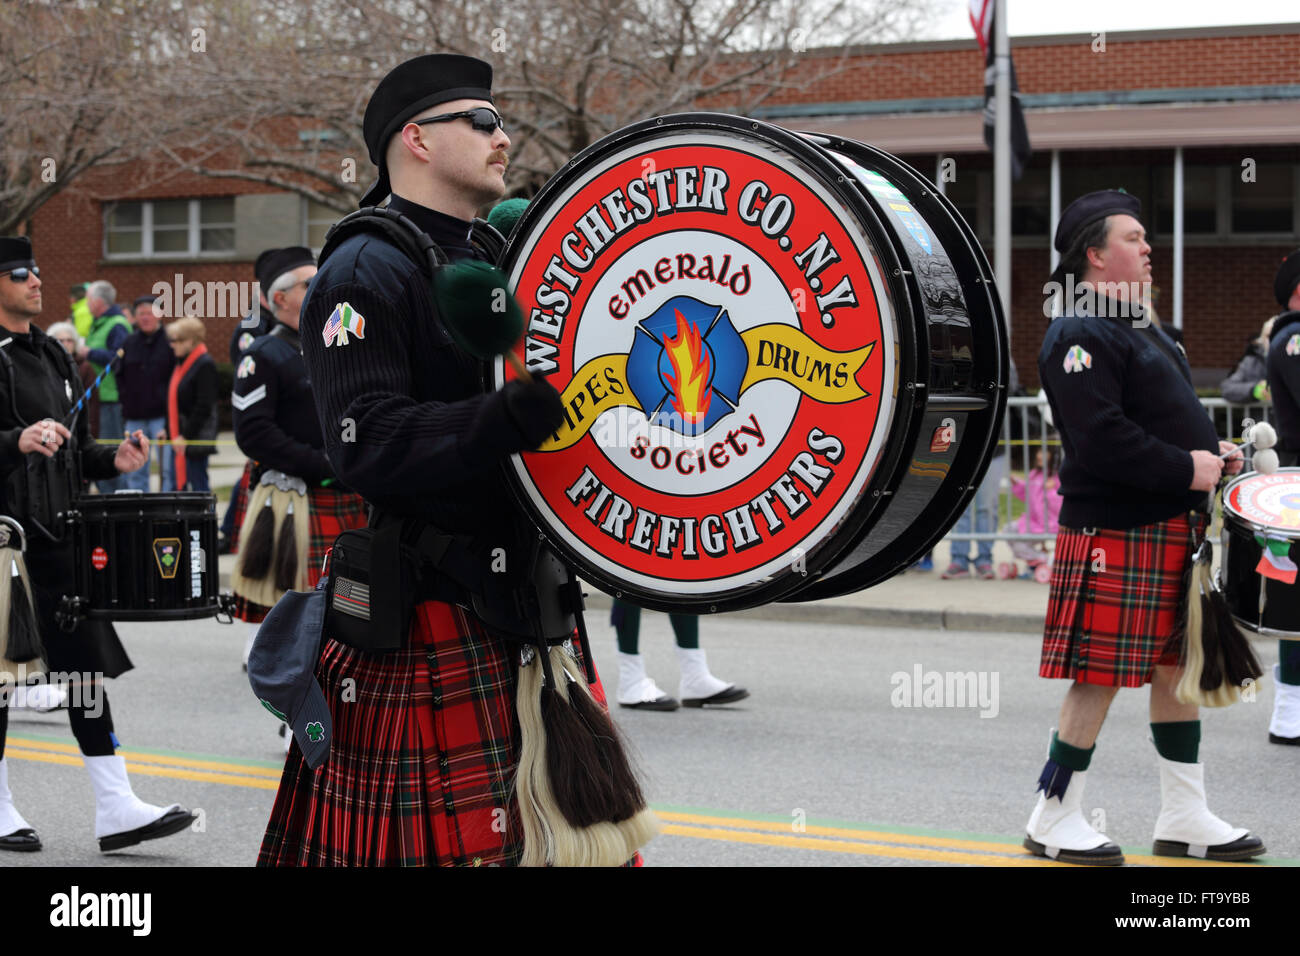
<point x="38" y="387"/>
<point x="637" y="689"/>
<point x="1139" y="460"/>
<point x="435" y="746"/>
<point x="295" y="508"/>
<point x="1284" y="383"/>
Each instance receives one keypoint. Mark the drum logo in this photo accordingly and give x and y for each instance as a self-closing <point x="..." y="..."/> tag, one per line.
<point x="712" y="321"/>
<point x="167" y="552"/>
<point x="99" y="559"/>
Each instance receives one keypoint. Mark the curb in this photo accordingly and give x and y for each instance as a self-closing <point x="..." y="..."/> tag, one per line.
<point x="848" y="615"/>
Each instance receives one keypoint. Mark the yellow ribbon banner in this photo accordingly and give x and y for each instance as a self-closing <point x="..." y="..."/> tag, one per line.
<point x="786" y="353"/>
<point x="776" y="351"/>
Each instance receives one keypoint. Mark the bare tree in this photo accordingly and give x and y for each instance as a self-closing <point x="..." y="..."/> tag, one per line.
<point x="274" y="93"/>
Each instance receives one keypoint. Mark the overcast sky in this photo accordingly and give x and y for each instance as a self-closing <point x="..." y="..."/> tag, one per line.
<point x="1034" y="17"/>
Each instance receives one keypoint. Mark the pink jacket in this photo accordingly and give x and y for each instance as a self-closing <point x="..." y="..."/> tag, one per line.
<point x="1030" y="490"/>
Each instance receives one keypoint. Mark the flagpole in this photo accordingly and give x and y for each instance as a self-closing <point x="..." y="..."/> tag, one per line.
<point x="1002" y="159"/>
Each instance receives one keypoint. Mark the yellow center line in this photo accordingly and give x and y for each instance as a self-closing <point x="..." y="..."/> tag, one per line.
<point x="50" y="746"/>
<point x="825" y="839"/>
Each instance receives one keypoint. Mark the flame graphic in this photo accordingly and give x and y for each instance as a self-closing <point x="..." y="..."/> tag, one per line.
<point x="690" y="374"/>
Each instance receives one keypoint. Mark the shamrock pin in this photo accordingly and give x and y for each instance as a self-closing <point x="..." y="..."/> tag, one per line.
<point x="315" y="731"/>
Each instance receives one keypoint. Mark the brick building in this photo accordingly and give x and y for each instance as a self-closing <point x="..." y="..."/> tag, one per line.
<point x="1217" y="107"/>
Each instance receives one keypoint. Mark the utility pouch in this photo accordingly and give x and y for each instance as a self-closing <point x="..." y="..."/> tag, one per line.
<point x="371" y="596"/>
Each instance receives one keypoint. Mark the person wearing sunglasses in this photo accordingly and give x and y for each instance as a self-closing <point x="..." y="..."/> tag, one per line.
<point x="38" y="389"/>
<point x="442" y="721"/>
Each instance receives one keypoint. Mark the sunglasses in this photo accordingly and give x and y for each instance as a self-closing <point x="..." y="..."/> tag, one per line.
<point x="20" y="274"/>
<point x="480" y="118"/>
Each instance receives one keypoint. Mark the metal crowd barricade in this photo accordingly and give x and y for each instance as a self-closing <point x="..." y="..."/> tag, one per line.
<point x="1030" y="416"/>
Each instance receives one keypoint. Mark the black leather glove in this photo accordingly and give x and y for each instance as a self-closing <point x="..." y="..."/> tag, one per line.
<point x="536" y="409"/>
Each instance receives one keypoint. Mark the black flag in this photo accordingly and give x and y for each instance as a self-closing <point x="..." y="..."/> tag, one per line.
<point x="981" y="18"/>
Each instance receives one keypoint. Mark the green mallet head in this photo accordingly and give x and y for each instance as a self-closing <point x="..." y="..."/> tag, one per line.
<point x="477" y="308"/>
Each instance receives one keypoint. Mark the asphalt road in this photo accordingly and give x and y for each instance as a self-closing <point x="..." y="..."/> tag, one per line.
<point x="819" y="767"/>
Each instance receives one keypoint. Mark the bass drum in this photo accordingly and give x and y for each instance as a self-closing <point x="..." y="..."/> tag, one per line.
<point x="781" y="356"/>
<point x="1257" y="570"/>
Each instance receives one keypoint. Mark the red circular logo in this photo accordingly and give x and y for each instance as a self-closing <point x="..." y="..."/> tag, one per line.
<point x="1272" y="501"/>
<point x="709" y="313"/>
<point x="99" y="558"/>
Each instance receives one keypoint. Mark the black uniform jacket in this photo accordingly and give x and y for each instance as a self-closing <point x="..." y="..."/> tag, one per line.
<point x="1284" y="383"/>
<point x="274" y="412"/>
<point x="405" y="418"/>
<point x="38" y="381"/>
<point x="1122" y="397"/>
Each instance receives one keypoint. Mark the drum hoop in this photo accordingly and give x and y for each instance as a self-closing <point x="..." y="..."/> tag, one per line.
<point x="837" y="181"/>
<point x="1231" y="514"/>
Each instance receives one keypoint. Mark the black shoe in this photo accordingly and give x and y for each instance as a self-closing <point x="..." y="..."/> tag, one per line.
<point x="728" y="695"/>
<point x="1108" y="854"/>
<point x="1234" y="852"/>
<point x="171" y="822"/>
<point x="21" y="841"/>
<point x="659" y="703"/>
<point x="1290" y="741"/>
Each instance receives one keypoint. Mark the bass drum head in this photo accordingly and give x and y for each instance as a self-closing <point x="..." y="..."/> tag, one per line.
<point x="726" y="320"/>
<point x="1260" y="550"/>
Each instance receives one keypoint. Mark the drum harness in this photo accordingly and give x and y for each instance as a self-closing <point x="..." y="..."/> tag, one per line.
<point x="537" y="609"/>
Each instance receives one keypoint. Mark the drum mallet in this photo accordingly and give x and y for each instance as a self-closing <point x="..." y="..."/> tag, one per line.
<point x="1263" y="436"/>
<point x="477" y="309"/>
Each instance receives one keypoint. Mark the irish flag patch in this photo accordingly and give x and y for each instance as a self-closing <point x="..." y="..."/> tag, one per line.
<point x="343" y="321"/>
<point x="1276" y="561"/>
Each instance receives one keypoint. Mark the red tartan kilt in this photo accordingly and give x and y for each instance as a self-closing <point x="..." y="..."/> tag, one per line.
<point x="1116" y="607"/>
<point x="331" y="512"/>
<point x="240" y="505"/>
<point x="422" y="759"/>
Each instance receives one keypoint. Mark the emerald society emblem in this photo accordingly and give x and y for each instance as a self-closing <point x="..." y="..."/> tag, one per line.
<point x="315" y="731"/>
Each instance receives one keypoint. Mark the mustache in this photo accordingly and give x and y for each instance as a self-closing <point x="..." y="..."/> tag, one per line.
<point x="499" y="157"/>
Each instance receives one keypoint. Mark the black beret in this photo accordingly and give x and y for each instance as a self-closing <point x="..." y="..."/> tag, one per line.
<point x="411" y="88"/>
<point x="1287" y="278"/>
<point x="1089" y="208"/>
<point x="15" y="253"/>
<point x="273" y="263"/>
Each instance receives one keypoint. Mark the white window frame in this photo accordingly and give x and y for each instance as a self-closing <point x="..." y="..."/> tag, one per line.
<point x="193" y="233"/>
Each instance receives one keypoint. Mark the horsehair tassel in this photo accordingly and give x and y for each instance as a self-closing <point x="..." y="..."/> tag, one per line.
<point x="286" y="553"/>
<point x="258" y="547"/>
<point x="67" y="421"/>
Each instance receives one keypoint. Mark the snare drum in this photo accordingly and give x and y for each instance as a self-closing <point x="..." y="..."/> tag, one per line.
<point x="1258" y="570"/>
<point x="146" y="557"/>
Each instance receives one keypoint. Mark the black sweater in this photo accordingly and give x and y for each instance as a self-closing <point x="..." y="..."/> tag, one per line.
<point x="1284" y="379"/>
<point x="402" y="410"/>
<point x="1123" y="401"/>
<point x="144" y="373"/>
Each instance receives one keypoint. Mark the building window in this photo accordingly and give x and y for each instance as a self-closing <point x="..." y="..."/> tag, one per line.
<point x="1200" y="191"/>
<point x="316" y="221"/>
<point x="170" y="228"/>
<point x="1264" y="206"/>
<point x="1031" y="203"/>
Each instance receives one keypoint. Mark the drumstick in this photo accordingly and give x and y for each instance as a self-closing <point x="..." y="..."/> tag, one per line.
<point x="1262" y="435"/>
<point x="67" y="422"/>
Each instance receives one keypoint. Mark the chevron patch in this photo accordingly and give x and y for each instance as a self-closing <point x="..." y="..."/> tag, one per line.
<point x="241" y="402"/>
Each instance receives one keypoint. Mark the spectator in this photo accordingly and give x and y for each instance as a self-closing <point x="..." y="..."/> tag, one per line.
<point x="65" y="333"/>
<point x="107" y="333"/>
<point x="143" y="377"/>
<point x="191" y="408"/>
<point x="78" y="312"/>
<point x="1040" y="490"/>
<point x="1249" y="381"/>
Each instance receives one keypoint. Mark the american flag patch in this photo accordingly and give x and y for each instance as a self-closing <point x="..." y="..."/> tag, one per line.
<point x="344" y="320"/>
<point x="352" y="597"/>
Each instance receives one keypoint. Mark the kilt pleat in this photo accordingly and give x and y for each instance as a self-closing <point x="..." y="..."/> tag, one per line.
<point x="1117" y="602"/>
<point x="421" y="761"/>
<point x="241" y="505"/>
<point x="330" y="513"/>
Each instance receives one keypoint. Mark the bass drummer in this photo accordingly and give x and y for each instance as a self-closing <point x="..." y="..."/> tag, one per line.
<point x="1284" y="383"/>
<point x="43" y="463"/>
<point x="1139" y="460"/>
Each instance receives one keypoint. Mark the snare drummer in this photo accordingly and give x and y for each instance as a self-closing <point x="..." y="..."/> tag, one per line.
<point x="38" y="387"/>
<point x="1284" y="383"/>
<point x="1139" y="461"/>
